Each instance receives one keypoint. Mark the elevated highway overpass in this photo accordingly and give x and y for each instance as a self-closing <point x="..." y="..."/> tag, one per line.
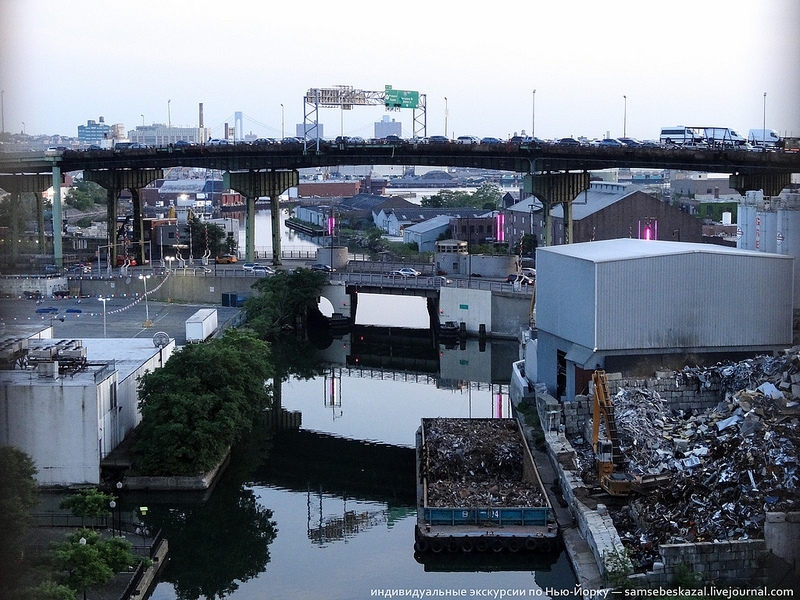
<point x="555" y="173"/>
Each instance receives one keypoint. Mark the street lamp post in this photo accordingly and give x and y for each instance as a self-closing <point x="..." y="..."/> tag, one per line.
<point x="445" y="116"/>
<point x="147" y="322"/>
<point x="533" y="116"/>
<point x="112" y="505"/>
<point x="283" y="132"/>
<point x="625" y="118"/>
<point x="764" y="126"/>
<point x="104" y="300"/>
<point x="169" y="117"/>
<point x="2" y="111"/>
<point x="142" y="120"/>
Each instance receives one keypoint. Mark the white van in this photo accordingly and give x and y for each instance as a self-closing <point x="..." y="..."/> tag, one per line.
<point x="763" y="137"/>
<point x="680" y="136"/>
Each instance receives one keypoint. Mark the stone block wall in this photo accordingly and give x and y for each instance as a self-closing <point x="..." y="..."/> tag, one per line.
<point x="678" y="391"/>
<point x="736" y="563"/>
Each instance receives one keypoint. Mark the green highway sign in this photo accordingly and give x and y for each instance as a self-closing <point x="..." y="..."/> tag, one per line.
<point x="400" y="98"/>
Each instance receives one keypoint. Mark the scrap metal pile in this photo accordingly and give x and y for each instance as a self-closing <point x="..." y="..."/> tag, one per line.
<point x="730" y="464"/>
<point x="476" y="463"/>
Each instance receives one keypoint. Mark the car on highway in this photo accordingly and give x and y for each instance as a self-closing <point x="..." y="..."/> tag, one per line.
<point x="405" y="272"/>
<point x="610" y="143"/>
<point x="468" y="140"/>
<point x="263" y="270"/>
<point x="438" y="139"/>
<point x="249" y="266"/>
<point x="226" y="259"/>
<point x="322" y="268"/>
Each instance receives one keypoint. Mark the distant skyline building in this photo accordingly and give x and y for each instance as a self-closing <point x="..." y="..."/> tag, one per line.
<point x="94" y="132"/>
<point x="386" y="127"/>
<point x="159" y="134"/>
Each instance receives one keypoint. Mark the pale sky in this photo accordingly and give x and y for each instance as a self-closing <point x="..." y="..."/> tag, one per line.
<point x="678" y="62"/>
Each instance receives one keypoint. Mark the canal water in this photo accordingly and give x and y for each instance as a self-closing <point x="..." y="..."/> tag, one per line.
<point x="327" y="510"/>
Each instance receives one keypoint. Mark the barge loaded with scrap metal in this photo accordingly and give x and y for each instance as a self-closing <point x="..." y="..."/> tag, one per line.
<point x="478" y="489"/>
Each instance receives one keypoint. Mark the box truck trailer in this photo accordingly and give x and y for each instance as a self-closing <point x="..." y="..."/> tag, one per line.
<point x="201" y="325"/>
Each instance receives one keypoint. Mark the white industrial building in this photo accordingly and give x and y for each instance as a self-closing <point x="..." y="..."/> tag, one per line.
<point x="772" y="224"/>
<point x="634" y="306"/>
<point x="69" y="403"/>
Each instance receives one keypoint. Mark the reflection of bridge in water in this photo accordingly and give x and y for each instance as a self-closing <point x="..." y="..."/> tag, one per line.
<point x="368" y="471"/>
<point x="323" y="529"/>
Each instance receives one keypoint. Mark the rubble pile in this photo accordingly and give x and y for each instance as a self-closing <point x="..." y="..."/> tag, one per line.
<point x="730" y="464"/>
<point x="476" y="463"/>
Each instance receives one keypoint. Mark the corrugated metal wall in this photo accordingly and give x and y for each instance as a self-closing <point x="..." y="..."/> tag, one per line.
<point x="714" y="300"/>
<point x="565" y="297"/>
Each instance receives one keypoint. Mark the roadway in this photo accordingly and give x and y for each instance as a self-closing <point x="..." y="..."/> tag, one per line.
<point x="521" y="158"/>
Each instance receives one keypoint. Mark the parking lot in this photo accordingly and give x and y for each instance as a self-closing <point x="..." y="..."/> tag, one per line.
<point x="90" y="318"/>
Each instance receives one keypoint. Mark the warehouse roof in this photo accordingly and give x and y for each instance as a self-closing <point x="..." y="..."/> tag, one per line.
<point x="629" y="248"/>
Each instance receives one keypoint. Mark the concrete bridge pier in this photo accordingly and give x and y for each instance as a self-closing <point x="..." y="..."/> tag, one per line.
<point x="553" y="189"/>
<point x="770" y="183"/>
<point x="16" y="185"/>
<point x="114" y="181"/>
<point x="256" y="184"/>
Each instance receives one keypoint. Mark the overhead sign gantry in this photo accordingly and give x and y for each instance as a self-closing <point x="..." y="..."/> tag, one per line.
<point x="346" y="97"/>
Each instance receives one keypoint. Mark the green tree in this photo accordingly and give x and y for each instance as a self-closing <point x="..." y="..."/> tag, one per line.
<point x="46" y="590"/>
<point x="209" y="236"/>
<point x="84" y="195"/>
<point x="488" y="196"/>
<point x="90" y="503"/>
<point x="17" y="497"/>
<point x="85" y="559"/>
<point x="197" y="405"/>
<point x="283" y="300"/>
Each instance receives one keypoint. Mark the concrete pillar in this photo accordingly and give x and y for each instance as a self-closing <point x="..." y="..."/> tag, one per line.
<point x="772" y="184"/>
<point x="58" y="253"/>
<point x="553" y="189"/>
<point x="16" y="185"/>
<point x="256" y="184"/>
<point x="114" y="181"/>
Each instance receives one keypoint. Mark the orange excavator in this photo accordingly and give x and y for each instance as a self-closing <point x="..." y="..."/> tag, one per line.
<point x="610" y="461"/>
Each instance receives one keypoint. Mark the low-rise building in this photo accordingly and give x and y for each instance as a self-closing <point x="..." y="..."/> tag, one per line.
<point x="73" y="402"/>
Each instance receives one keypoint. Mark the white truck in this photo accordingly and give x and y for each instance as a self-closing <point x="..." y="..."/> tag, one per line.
<point x="723" y="136"/>
<point x="768" y="138"/>
<point x="201" y="325"/>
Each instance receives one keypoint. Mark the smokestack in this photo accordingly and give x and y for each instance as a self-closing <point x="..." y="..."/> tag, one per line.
<point x="201" y="115"/>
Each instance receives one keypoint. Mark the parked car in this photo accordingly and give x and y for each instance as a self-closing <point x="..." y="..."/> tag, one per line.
<point x="490" y="141"/>
<point x="322" y="268"/>
<point x="568" y="141"/>
<point x="406" y="272"/>
<point x="392" y="139"/>
<point x="184" y="144"/>
<point x="226" y="259"/>
<point x="217" y="142"/>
